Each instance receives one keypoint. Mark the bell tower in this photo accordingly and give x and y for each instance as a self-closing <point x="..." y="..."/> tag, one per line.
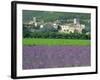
<point x="34" y="21"/>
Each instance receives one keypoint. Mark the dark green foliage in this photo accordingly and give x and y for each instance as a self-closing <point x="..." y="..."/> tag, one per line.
<point x="56" y="35"/>
<point x="26" y="32"/>
<point x="52" y="16"/>
<point x="59" y="27"/>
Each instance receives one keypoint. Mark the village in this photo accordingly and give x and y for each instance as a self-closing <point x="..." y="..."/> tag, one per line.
<point x="74" y="26"/>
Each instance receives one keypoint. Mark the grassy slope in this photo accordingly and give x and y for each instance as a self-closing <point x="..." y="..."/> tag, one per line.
<point x="55" y="42"/>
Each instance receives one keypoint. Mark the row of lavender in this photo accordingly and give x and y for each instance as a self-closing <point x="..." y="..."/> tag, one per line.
<point x="36" y="57"/>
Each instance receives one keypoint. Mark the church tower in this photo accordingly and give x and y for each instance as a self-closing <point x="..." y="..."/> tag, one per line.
<point x="34" y="21"/>
<point x="76" y="21"/>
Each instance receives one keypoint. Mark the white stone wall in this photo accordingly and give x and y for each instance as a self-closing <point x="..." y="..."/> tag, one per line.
<point x="67" y="29"/>
<point x="64" y="28"/>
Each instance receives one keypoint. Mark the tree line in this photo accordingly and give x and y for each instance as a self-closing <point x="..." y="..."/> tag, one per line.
<point x="56" y="35"/>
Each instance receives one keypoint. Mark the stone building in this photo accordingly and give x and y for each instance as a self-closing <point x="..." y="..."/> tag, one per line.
<point x="66" y="27"/>
<point x="72" y="27"/>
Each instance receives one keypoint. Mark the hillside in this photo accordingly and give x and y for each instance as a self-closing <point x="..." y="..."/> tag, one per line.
<point x="47" y="16"/>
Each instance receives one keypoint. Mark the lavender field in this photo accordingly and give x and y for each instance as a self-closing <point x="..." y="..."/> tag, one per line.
<point x="37" y="57"/>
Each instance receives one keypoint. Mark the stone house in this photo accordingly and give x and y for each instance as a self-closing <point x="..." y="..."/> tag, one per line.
<point x="72" y="27"/>
<point x="66" y="27"/>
